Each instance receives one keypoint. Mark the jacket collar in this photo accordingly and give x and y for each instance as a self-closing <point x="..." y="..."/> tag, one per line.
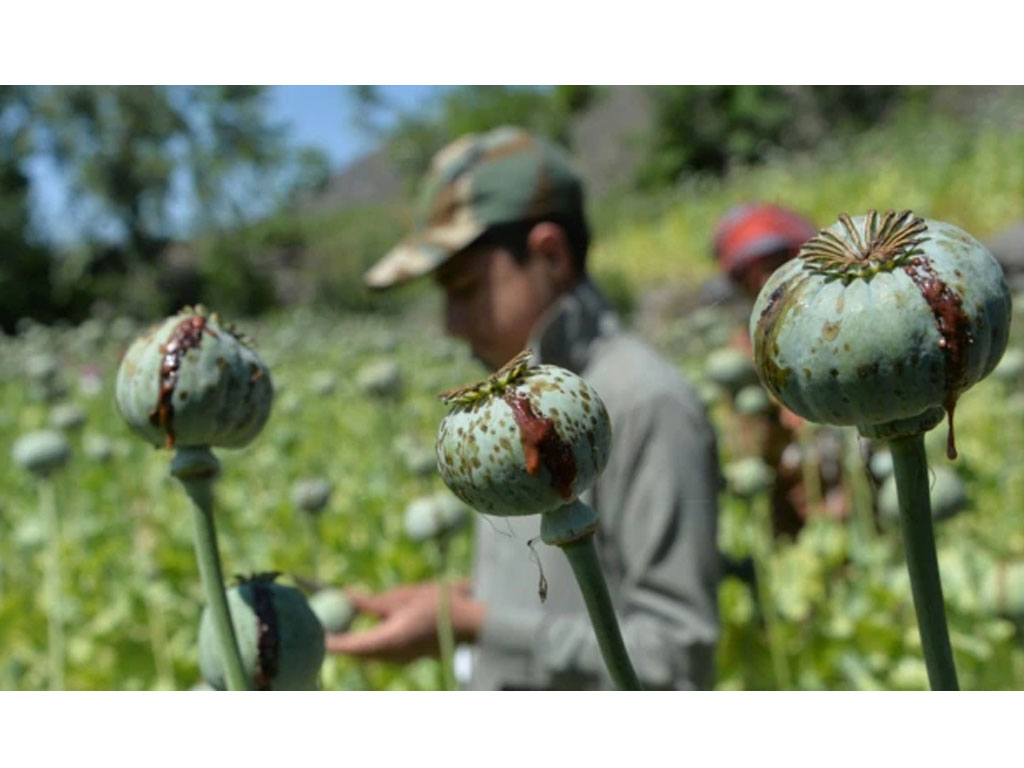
<point x="565" y="333"/>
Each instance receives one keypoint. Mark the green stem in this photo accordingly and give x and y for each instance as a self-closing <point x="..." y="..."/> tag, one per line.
<point x="197" y="469"/>
<point x="810" y="467"/>
<point x="911" y="468"/>
<point x="857" y="472"/>
<point x="313" y="527"/>
<point x="155" y="625"/>
<point x="54" y="619"/>
<point x="445" y="632"/>
<point x="763" y="549"/>
<point x="585" y="566"/>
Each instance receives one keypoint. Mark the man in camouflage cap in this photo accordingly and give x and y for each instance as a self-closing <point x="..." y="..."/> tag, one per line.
<point x="475" y="183"/>
<point x="502" y="230"/>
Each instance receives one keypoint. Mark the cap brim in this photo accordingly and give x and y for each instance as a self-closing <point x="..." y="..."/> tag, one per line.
<point x="421" y="253"/>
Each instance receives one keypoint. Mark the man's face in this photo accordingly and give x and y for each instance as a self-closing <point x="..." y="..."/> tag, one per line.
<point x="752" y="276"/>
<point x="492" y="302"/>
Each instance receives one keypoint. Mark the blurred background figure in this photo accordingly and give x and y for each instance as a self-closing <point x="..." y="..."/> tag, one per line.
<point x="749" y="243"/>
<point x="753" y="240"/>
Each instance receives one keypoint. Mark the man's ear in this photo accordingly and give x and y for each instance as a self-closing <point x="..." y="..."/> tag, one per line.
<point x="548" y="241"/>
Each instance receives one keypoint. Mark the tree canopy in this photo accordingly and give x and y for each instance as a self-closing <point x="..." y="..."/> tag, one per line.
<point x="143" y="166"/>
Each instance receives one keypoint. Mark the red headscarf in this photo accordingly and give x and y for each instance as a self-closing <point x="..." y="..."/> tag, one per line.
<point x="748" y="232"/>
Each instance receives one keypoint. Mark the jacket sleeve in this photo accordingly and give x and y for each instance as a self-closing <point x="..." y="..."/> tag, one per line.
<point x="658" y="504"/>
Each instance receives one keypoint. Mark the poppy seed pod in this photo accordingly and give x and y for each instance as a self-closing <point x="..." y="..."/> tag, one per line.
<point x="1011" y="367"/>
<point x="98" y="448"/>
<point x="67" y="417"/>
<point x="947" y="495"/>
<point x="752" y="400"/>
<point x="382" y="378"/>
<point x="41" y="452"/>
<point x="881" y="322"/>
<point x="280" y="639"/>
<point x="527" y="440"/>
<point x="748" y="477"/>
<point x="194" y="381"/>
<point x="334" y="609"/>
<point x="730" y="368"/>
<point x="311" y="494"/>
<point x="435" y="516"/>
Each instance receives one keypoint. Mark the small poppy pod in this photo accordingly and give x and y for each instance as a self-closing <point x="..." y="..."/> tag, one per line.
<point x="193" y="381"/>
<point x="882" y="321"/>
<point x="730" y="368"/>
<point x="946" y="491"/>
<point x="436" y="516"/>
<point x="41" y="452"/>
<point x="280" y="638"/>
<point x="67" y="417"/>
<point x="527" y="440"/>
<point x="748" y="477"/>
<point x="311" y="494"/>
<point x="333" y="609"/>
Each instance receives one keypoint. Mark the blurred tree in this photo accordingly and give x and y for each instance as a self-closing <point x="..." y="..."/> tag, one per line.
<point x="706" y="128"/>
<point x="414" y="138"/>
<point x="24" y="265"/>
<point x="130" y="150"/>
<point x="145" y="166"/>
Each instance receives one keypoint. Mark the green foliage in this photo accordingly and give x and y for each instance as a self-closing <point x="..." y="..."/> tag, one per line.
<point x="132" y="594"/>
<point x="617" y="288"/>
<point x="414" y="138"/>
<point x="708" y="128"/>
<point x="944" y="168"/>
<point x="837" y="595"/>
<point x="132" y="597"/>
<point x="24" y="266"/>
<point x="146" y="165"/>
<point x="292" y="259"/>
<point x="133" y="601"/>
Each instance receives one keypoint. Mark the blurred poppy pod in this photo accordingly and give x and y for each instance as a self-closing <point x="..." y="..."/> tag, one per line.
<point x="334" y="609"/>
<point x="67" y="417"/>
<point x="311" y="494"/>
<point x="280" y="638"/>
<point x="436" y="516"/>
<point x="41" y="452"/>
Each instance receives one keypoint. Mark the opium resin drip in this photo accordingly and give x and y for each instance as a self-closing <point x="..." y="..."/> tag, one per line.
<point x="952" y="323"/>
<point x="186" y="335"/>
<point x="268" y="638"/>
<point x="542" y="445"/>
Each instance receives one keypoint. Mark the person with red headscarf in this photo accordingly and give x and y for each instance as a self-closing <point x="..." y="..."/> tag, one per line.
<point x="750" y="242"/>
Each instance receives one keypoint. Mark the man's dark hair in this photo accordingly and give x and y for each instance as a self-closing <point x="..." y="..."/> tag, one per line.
<point x="513" y="237"/>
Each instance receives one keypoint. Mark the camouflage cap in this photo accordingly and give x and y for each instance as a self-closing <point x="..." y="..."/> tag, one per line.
<point x="476" y="182"/>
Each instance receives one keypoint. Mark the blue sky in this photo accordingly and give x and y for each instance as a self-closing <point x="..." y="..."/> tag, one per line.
<point x="321" y="116"/>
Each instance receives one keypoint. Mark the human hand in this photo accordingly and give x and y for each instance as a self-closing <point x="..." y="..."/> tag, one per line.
<point x="790" y="420"/>
<point x="408" y="622"/>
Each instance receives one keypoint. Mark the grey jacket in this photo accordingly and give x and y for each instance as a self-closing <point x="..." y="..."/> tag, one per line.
<point x="657" y="502"/>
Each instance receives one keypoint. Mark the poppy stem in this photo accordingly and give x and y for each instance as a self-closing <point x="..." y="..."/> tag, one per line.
<point x="197" y="468"/>
<point x="911" y="468"/>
